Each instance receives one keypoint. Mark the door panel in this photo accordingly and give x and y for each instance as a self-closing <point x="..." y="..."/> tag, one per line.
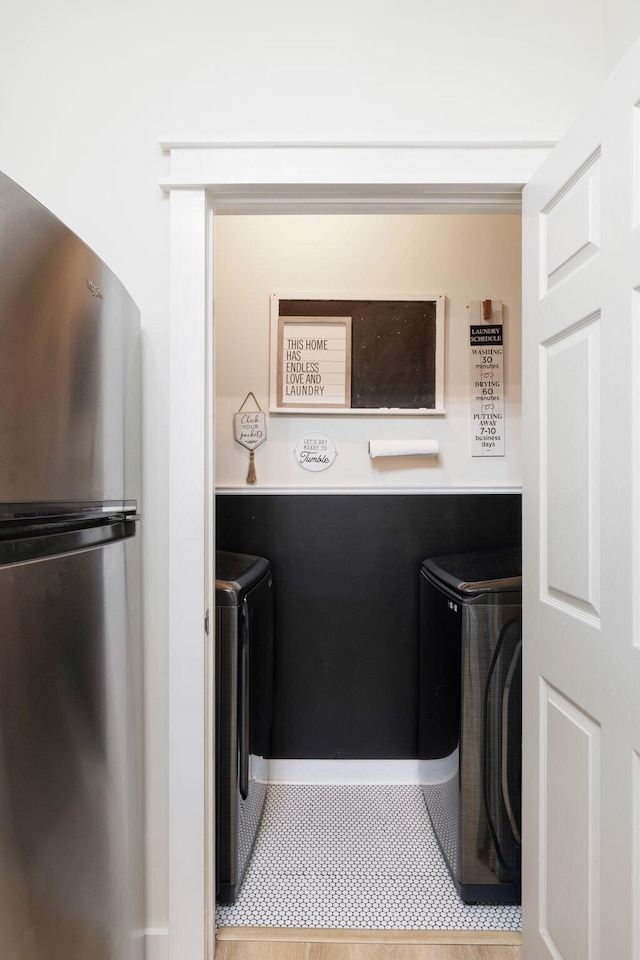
<point x="570" y="825"/>
<point x="571" y="224"/>
<point x="581" y="531"/>
<point x="570" y="468"/>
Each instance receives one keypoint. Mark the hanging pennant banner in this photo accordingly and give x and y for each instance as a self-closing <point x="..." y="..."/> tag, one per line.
<point x="250" y="430"/>
<point x="486" y="353"/>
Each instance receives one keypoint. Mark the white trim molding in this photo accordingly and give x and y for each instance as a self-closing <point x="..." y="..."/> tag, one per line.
<point x="361" y="490"/>
<point x="357" y="771"/>
<point x="189" y="270"/>
<point x="202" y="178"/>
<point x="156" y="943"/>
<point x="484" y="176"/>
<point x="176" y="143"/>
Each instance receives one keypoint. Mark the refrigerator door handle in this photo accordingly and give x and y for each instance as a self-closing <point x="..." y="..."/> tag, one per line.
<point x="22" y="546"/>
<point x="243" y="704"/>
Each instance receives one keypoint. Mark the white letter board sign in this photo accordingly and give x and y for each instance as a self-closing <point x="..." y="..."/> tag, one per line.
<point x="314" y="361"/>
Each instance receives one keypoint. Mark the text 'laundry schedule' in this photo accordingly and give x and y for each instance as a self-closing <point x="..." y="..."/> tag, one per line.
<point x="486" y="348"/>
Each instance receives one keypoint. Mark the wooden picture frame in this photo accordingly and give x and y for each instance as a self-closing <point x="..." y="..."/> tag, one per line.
<point x="314" y="362"/>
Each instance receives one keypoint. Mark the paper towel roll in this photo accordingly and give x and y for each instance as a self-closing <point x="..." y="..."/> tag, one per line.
<point x="404" y="448"/>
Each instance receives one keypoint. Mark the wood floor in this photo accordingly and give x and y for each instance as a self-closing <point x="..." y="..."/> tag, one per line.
<point x="270" y="943"/>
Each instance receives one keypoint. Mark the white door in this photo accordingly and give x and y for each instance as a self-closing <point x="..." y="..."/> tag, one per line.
<point x="581" y="379"/>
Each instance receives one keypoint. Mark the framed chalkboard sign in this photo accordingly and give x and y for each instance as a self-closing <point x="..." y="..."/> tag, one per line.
<point x="357" y="355"/>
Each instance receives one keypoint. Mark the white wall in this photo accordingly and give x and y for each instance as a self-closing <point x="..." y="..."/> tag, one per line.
<point x="621" y="20"/>
<point x="471" y="257"/>
<point x="87" y="91"/>
<point x="407" y="70"/>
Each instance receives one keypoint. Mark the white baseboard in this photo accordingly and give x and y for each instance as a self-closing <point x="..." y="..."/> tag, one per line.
<point x="156" y="943"/>
<point x="358" y="771"/>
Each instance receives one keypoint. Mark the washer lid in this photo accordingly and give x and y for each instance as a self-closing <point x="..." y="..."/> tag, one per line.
<point x="491" y="571"/>
<point x="236" y="574"/>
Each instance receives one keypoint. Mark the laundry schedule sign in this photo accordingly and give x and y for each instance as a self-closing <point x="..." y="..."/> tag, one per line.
<point x="314" y="362"/>
<point x="486" y="351"/>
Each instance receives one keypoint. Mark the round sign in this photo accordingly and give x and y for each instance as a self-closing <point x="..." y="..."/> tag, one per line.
<point x="315" y="451"/>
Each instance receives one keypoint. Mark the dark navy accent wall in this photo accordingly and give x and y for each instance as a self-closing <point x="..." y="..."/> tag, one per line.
<point x="346" y="588"/>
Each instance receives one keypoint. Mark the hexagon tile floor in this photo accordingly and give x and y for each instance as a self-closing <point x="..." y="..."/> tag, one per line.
<point x="353" y="856"/>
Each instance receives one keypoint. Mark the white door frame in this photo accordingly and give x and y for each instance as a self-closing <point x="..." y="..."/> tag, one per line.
<point x="258" y="177"/>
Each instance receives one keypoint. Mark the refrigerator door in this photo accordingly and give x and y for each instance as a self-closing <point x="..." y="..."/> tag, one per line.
<point x="70" y="756"/>
<point x="68" y="364"/>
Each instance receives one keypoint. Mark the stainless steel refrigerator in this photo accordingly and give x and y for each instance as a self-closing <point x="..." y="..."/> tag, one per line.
<point x="70" y="612"/>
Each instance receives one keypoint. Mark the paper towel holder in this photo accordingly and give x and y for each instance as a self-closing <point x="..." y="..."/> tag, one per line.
<point x="404" y="448"/>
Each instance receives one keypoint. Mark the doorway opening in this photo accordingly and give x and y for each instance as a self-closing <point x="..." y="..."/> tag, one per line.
<point x="204" y="178"/>
<point x="346" y="688"/>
